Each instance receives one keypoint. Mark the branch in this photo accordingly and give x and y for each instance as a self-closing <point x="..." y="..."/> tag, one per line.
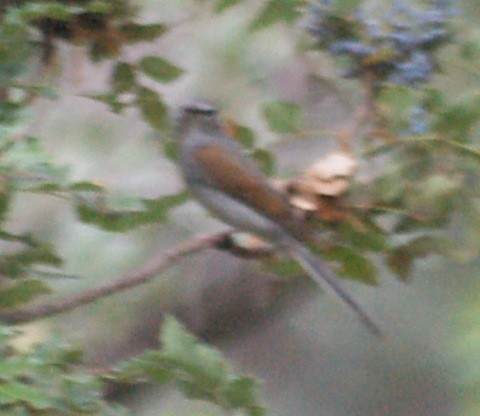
<point x="415" y="140"/>
<point x="142" y="275"/>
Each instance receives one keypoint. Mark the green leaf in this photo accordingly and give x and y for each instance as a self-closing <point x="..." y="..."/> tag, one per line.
<point x="27" y="166"/>
<point x="86" y="186"/>
<point x="160" y="69"/>
<point x="170" y="150"/>
<point x="111" y="99"/>
<point x="120" y="214"/>
<point x="275" y="11"/>
<point x="152" y="108"/>
<point x="355" y="265"/>
<point x="282" y="117"/>
<point x="13" y="393"/>
<point x="98" y="7"/>
<point x="283" y="267"/>
<point x="17" y="264"/>
<point x="49" y="379"/>
<point x="241" y="393"/>
<point x="265" y="159"/>
<point x="47" y="91"/>
<point x="203" y="364"/>
<point x="14" y="366"/>
<point x="434" y="195"/>
<point x="150" y="365"/>
<point x="245" y="136"/>
<point x="22" y="292"/>
<point x="5" y="199"/>
<point x="457" y="120"/>
<point x="364" y="236"/>
<point x="134" y="32"/>
<point x="123" y="77"/>
<point x="225" y="4"/>
<point x="52" y="10"/>
<point x="80" y="392"/>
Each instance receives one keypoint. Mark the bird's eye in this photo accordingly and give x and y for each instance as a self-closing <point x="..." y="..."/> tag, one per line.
<point x="200" y="107"/>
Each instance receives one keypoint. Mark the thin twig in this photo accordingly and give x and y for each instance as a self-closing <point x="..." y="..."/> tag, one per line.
<point x="415" y="140"/>
<point x="134" y="278"/>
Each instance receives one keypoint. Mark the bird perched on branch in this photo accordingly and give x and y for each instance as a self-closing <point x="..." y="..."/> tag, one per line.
<point x="233" y="188"/>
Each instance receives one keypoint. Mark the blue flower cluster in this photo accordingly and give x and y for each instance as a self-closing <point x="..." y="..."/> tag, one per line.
<point x="397" y="47"/>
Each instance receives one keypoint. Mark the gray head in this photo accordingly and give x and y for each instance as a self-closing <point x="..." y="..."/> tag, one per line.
<point x="200" y="107"/>
<point x="198" y="114"/>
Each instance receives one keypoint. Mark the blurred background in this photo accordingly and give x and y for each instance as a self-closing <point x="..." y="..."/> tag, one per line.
<point x="308" y="350"/>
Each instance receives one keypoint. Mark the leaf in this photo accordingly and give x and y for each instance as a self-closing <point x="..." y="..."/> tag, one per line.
<point x="153" y="110"/>
<point x="80" y="392"/>
<point x="110" y="99"/>
<point x="170" y="150"/>
<point x="13" y="393"/>
<point x="134" y="32"/>
<point x="200" y="361"/>
<point x="150" y="365"/>
<point x="14" y="366"/>
<point x="98" y="7"/>
<point x="283" y="267"/>
<point x="225" y="4"/>
<point x="121" y="214"/>
<point x="17" y="264"/>
<point x="22" y="292"/>
<point x="362" y="236"/>
<point x="245" y="136"/>
<point x="160" y="69"/>
<point x="198" y="370"/>
<point x="282" y="116"/>
<point x="434" y="195"/>
<point x="52" y="10"/>
<point x="275" y="11"/>
<point x="241" y="393"/>
<point x="123" y="77"/>
<point x="265" y="159"/>
<point x="5" y="199"/>
<point x="457" y="120"/>
<point x="355" y="265"/>
<point x="86" y="186"/>
<point x="43" y="90"/>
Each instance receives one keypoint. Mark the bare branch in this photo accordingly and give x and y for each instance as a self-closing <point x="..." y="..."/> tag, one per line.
<point x="143" y="274"/>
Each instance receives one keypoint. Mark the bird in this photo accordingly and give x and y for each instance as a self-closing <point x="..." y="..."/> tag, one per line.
<point x="233" y="188"/>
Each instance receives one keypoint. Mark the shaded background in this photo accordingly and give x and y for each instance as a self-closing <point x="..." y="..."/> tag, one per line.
<point x="309" y="351"/>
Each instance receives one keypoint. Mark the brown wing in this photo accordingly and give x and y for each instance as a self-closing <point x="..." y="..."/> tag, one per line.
<point x="230" y="173"/>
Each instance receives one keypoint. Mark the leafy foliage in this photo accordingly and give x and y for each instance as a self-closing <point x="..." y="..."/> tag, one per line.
<point x="121" y="213"/>
<point x="48" y="379"/>
<point x="198" y="370"/>
<point x="103" y="26"/>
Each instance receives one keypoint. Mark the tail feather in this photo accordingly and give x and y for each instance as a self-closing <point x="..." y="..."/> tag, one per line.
<point x="320" y="273"/>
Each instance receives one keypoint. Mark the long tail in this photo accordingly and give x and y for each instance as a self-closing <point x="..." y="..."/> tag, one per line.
<point x="320" y="273"/>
